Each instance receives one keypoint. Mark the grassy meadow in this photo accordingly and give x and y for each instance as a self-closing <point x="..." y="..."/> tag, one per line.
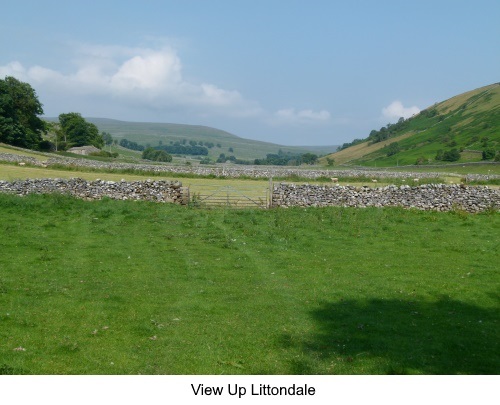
<point x="113" y="287"/>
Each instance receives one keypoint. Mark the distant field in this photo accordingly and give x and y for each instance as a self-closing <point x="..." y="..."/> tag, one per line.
<point x="251" y="187"/>
<point x="196" y="185"/>
<point x="115" y="287"/>
<point x="12" y="151"/>
<point x="459" y="169"/>
<point x="147" y="133"/>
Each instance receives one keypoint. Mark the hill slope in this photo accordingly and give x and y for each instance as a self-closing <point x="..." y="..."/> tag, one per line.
<point x="468" y="123"/>
<point x="145" y="133"/>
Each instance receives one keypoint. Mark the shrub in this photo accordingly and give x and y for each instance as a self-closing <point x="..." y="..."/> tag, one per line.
<point x="156" y="155"/>
<point x="46" y="146"/>
<point x="489" y="154"/>
<point x="451" y="155"/>
<point x="393" y="148"/>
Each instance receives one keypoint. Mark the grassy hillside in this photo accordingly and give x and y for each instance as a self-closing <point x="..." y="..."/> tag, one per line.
<point x="469" y="123"/>
<point x="148" y="133"/>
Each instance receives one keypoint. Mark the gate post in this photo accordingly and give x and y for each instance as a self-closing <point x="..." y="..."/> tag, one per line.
<point x="270" y="201"/>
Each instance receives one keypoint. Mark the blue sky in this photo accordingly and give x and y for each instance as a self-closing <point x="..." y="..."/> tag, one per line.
<point x="289" y="72"/>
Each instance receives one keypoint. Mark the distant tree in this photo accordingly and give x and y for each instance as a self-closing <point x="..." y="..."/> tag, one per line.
<point x="439" y="155"/>
<point x="125" y="143"/>
<point x="309" y="158"/>
<point x="19" y="111"/>
<point x="156" y="155"/>
<point x="330" y="161"/>
<point x="488" y="154"/>
<point x="79" y="132"/>
<point x="393" y="148"/>
<point x="148" y="153"/>
<point x="178" y="149"/>
<point x="451" y="155"/>
<point x="230" y="150"/>
<point x="107" y="138"/>
<point x="162" y="156"/>
<point x="283" y="159"/>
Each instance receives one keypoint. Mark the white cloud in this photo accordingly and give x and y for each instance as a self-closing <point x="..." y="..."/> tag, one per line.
<point x="292" y="116"/>
<point x="396" y="110"/>
<point x="150" y="78"/>
<point x="153" y="71"/>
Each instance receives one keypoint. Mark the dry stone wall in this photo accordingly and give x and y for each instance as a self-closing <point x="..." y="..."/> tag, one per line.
<point x="438" y="197"/>
<point x="426" y="196"/>
<point x="150" y="190"/>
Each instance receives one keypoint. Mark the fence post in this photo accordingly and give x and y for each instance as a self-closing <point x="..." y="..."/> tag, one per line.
<point x="186" y="197"/>
<point x="270" y="201"/>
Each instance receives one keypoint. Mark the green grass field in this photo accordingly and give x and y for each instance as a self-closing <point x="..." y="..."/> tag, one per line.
<point x="115" y="287"/>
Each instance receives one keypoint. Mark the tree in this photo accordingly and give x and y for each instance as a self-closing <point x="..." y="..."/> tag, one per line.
<point x="488" y="154"/>
<point x="107" y="138"/>
<point x="393" y="148"/>
<point x="79" y="132"/>
<point x="309" y="158"/>
<point x="125" y="143"/>
<point x="451" y="155"/>
<point x="156" y="155"/>
<point x="439" y="154"/>
<point x="19" y="111"/>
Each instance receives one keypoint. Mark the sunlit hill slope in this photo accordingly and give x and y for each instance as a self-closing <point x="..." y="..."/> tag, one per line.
<point x="459" y="129"/>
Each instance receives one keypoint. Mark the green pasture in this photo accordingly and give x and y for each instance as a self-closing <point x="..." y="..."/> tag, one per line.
<point x="485" y="168"/>
<point x="13" y="151"/>
<point x="114" y="287"/>
<point x="251" y="188"/>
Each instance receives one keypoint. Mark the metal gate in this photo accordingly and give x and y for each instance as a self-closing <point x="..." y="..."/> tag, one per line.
<point x="230" y="196"/>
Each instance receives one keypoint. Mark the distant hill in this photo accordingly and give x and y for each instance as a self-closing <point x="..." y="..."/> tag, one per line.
<point x="148" y="133"/>
<point x="461" y="127"/>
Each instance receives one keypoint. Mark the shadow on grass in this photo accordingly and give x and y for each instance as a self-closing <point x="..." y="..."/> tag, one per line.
<point x="404" y="337"/>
